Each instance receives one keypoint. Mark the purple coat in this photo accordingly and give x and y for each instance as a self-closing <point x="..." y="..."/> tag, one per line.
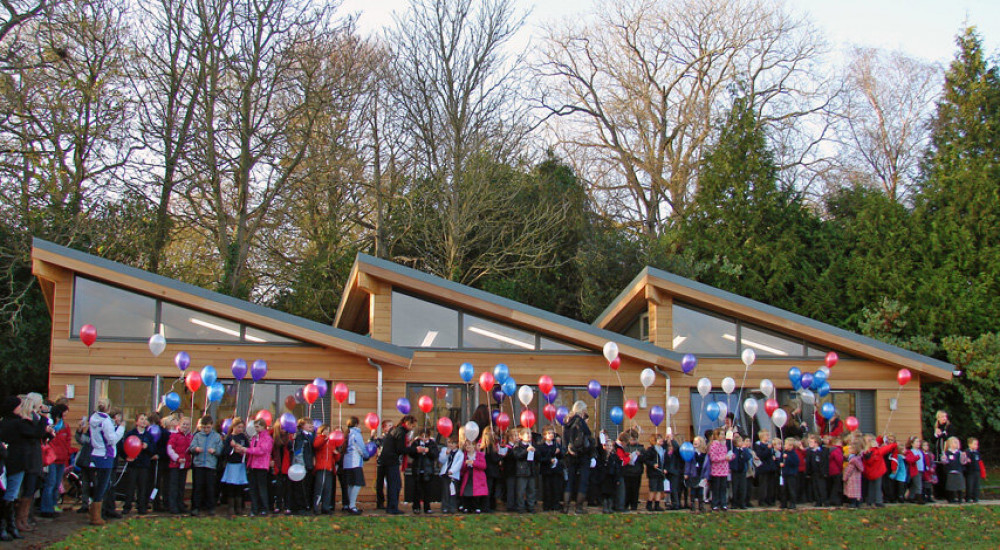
<point x="478" y="475"/>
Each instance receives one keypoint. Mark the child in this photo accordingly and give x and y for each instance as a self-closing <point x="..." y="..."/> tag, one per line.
<point x="612" y="477"/>
<point x="259" y="462"/>
<point x="177" y="450"/>
<point x="525" y="472"/>
<point x="655" y="459"/>
<point x="354" y="462"/>
<point x="674" y="466"/>
<point x="280" y="462"/>
<point x="914" y="460"/>
<point x="818" y="468"/>
<point x="767" y="469"/>
<point x="930" y="471"/>
<point x="954" y="462"/>
<point x="789" y="464"/>
<point x="161" y="472"/>
<point x="423" y="451"/>
<point x="205" y="448"/>
<point x="897" y="473"/>
<point x="835" y="477"/>
<point x="853" y="477"/>
<point x="875" y="468"/>
<point x="474" y="477"/>
<point x="974" y="471"/>
<point x="696" y="474"/>
<point x="632" y="471"/>
<point x="301" y="452"/>
<point x="325" y="456"/>
<point x="488" y="445"/>
<point x="234" y="476"/>
<point x="450" y="459"/>
<point x="719" y="458"/>
<point x="550" y="460"/>
<point x="136" y="481"/>
<point x="738" y="467"/>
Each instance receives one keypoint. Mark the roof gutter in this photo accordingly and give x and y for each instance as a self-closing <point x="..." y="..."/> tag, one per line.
<point x="378" y="407"/>
<point x="666" y="396"/>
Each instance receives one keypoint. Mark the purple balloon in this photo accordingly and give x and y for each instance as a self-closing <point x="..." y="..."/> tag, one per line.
<point x="226" y="425"/>
<point x="300" y="396"/>
<point x="551" y="396"/>
<point x="316" y="424"/>
<point x="561" y="414"/>
<point x="258" y="370"/>
<point x="656" y="415"/>
<point x="372" y="448"/>
<point x="594" y="388"/>
<point x="498" y="394"/>
<point x="239" y="369"/>
<point x="155" y="433"/>
<point x="688" y="363"/>
<point x="807" y="380"/>
<point x="288" y="422"/>
<point x="495" y="414"/>
<point x="321" y="384"/>
<point x="403" y="405"/>
<point x="182" y="360"/>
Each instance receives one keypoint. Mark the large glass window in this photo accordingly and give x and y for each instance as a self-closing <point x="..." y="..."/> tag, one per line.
<point x="701" y="420"/>
<point x="697" y="332"/>
<point x="129" y="395"/>
<point x="420" y="324"/>
<point x="181" y="323"/>
<point x="272" y="396"/>
<point x="256" y="336"/>
<point x="114" y="312"/>
<point x="766" y="343"/>
<point x="450" y="400"/>
<point x="478" y="333"/>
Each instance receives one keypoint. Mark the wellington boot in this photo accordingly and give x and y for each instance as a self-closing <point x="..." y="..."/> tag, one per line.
<point x="7" y="530"/>
<point x="567" y="502"/>
<point x="23" y="509"/>
<point x="581" y="504"/>
<point x="95" y="514"/>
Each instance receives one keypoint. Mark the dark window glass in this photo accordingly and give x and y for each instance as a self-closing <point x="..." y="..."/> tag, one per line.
<point x="701" y="333"/>
<point x="130" y="395"/>
<point x="420" y="324"/>
<point x="114" y="312"/>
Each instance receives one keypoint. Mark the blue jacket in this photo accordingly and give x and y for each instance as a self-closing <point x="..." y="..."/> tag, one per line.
<point x="741" y="461"/>
<point x="766" y="456"/>
<point x="790" y="459"/>
<point x="143" y="460"/>
<point x="356" y="453"/>
<point x="205" y="459"/>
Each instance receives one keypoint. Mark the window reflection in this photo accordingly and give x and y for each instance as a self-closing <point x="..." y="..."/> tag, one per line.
<point x="115" y="313"/>
<point x="420" y="324"/>
<point x="482" y="334"/>
<point x="697" y="332"/>
<point x="768" y="343"/>
<point x="180" y="323"/>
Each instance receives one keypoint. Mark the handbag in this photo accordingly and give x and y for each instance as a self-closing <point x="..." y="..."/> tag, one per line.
<point x="48" y="454"/>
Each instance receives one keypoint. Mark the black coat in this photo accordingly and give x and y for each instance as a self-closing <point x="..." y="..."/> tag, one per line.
<point x="423" y="464"/>
<point x="24" y="441"/>
<point x="545" y="455"/>
<point x="393" y="447"/>
<point x="579" y="440"/>
<point x="818" y="461"/>
<point x="522" y="466"/>
<point x="654" y="465"/>
<point x="765" y="454"/>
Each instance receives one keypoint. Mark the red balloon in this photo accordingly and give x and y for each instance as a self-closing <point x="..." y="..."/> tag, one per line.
<point x="193" y="380"/>
<point x="340" y="392"/>
<point x="503" y="422"/>
<point x="615" y="363"/>
<point x="441" y="392"/>
<point x="425" y="403"/>
<point x="545" y="384"/>
<point x="133" y="446"/>
<point x="371" y="420"/>
<point x="631" y="408"/>
<point x="903" y="376"/>
<point x="831" y="359"/>
<point x="264" y="415"/>
<point x="444" y="426"/>
<point x="88" y="335"/>
<point x="770" y="406"/>
<point x="527" y="418"/>
<point x="311" y="393"/>
<point x="337" y="438"/>
<point x="549" y="411"/>
<point x="290" y="402"/>
<point x="486" y="381"/>
<point x="851" y="423"/>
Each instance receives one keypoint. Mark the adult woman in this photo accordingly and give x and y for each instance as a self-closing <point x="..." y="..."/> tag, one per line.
<point x="579" y="448"/>
<point x="104" y="436"/>
<point x="354" y="458"/>
<point x="61" y="446"/>
<point x="23" y="434"/>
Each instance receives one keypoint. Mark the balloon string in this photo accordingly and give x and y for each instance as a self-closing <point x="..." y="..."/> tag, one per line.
<point x="253" y="388"/>
<point x="886" y="430"/>
<point x="739" y="396"/>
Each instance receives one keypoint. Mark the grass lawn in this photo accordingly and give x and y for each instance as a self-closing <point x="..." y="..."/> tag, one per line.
<point x="893" y="527"/>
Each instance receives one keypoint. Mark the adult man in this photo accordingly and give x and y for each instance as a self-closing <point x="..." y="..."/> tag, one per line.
<point x="393" y="448"/>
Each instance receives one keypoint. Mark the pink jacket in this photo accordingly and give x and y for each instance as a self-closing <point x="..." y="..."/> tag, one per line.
<point x="478" y="475"/>
<point x="259" y="451"/>
<point x="720" y="462"/>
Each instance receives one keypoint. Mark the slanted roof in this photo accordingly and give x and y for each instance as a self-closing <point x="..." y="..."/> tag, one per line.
<point x="652" y="280"/>
<point x="492" y="306"/>
<point x="299" y="328"/>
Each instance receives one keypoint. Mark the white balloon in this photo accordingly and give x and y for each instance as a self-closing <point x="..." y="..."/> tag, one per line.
<point x="825" y="369"/>
<point x="471" y="430"/>
<point x="157" y="343"/>
<point x="749" y="356"/>
<point x="807" y="397"/>
<point x="610" y="351"/>
<point x="524" y="395"/>
<point x="728" y="385"/>
<point x="779" y="418"/>
<point x="673" y="405"/>
<point x="704" y="386"/>
<point x="767" y="388"/>
<point x="647" y="377"/>
<point x="723" y="409"/>
<point x="750" y="406"/>
<point x="297" y="472"/>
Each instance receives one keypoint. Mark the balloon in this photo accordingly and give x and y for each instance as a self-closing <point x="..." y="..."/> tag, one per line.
<point x="182" y="360"/>
<point x="316" y="424"/>
<point x="509" y="387"/>
<point x="155" y="432"/>
<point x="808" y="397"/>
<point x="795" y="376"/>
<point x="337" y="438"/>
<point x="647" y="377"/>
<point x="503" y="421"/>
<point x="828" y="410"/>
<point x="712" y="411"/>
<point x="610" y="351"/>
<point x="656" y="415"/>
<point x="770" y="406"/>
<point x="472" y="429"/>
<point x="311" y="393"/>
<point x="340" y="392"/>
<point x="216" y="391"/>
<point x="807" y="380"/>
<point x="688" y="363"/>
<point x="748" y="356"/>
<point x="371" y="420"/>
<point x="157" y="343"/>
<point x="525" y="394"/>
<point x="486" y="381"/>
<point x="823" y="390"/>
<point x="750" y="406"/>
<point x="498" y="394"/>
<point x="297" y="472"/>
<point x="372" y="448"/>
<point x="723" y="409"/>
<point x="193" y="381"/>
<point x="425" y="404"/>
<point x="819" y="378"/>
<point x="831" y="359"/>
<point x="527" y="418"/>
<point x="441" y="391"/>
<point x="264" y="415"/>
<point x="403" y="405"/>
<point x="208" y="375"/>
<point x="549" y="412"/>
<point x="767" y="388"/>
<point x="617" y="415"/>
<point x="287" y="422"/>
<point x="133" y="446"/>
<point x="673" y="405"/>
<point x="779" y="417"/>
<point x="466" y="371"/>
<point x="258" y="370"/>
<point x="290" y="402"/>
<point x="299" y="396"/>
<point x="172" y="401"/>
<point x="545" y="384"/>
<point x="227" y="425"/>
<point x="903" y="376"/>
<point x="851" y="423"/>
<point x="495" y="413"/>
<point x="239" y="369"/>
<point x="594" y="388"/>
<point x="88" y="335"/>
<point x="321" y="386"/>
<point x="728" y="385"/>
<point x="704" y="386"/>
<point x="615" y="363"/>
<point x="631" y="408"/>
<point x="444" y="426"/>
<point x="561" y="414"/>
<point x="551" y="396"/>
<point x="687" y="451"/>
<point x="501" y="373"/>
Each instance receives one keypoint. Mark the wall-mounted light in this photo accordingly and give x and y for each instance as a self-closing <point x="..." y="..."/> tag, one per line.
<point x="893" y="403"/>
<point x="70" y="391"/>
<point x="642" y="401"/>
<point x="351" y="397"/>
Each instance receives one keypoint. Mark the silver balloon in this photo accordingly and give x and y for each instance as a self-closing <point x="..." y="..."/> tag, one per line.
<point x="779" y="418"/>
<point x="808" y="397"/>
<point x="673" y="405"/>
<point x="749" y="356"/>
<point x="767" y="388"/>
<point x="750" y="406"/>
<point x="704" y="386"/>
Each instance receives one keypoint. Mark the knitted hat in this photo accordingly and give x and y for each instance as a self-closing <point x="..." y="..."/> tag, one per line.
<point x="8" y="404"/>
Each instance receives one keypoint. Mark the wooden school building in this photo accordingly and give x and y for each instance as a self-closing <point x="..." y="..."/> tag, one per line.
<point x="401" y="333"/>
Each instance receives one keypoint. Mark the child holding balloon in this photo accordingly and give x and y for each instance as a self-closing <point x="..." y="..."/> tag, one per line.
<point x="853" y="477"/>
<point x="525" y="470"/>
<point x="423" y="452"/>
<point x="205" y="449"/>
<point x="550" y="460"/>
<point x="258" y="455"/>
<point x="136" y="475"/>
<point x="696" y="474"/>
<point x="451" y="460"/>
<point x="767" y="469"/>
<point x="719" y="457"/>
<point x="613" y="477"/>
<point x="177" y="450"/>
<point x="789" y="464"/>
<point x="234" y="476"/>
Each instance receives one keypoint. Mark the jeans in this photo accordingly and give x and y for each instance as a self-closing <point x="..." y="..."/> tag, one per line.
<point x="50" y="492"/>
<point x="393" y="483"/>
<point x="13" y="486"/>
<point x="102" y="484"/>
<point x="577" y="474"/>
<point x="259" y="502"/>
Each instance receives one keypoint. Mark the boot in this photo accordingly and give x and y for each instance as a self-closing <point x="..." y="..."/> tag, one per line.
<point x="238" y="505"/>
<point x="7" y="528"/>
<point x="23" y="508"/>
<point x="95" y="514"/>
<point x="649" y="506"/>
<point x="581" y="504"/>
<point x="656" y="507"/>
<point x="566" y="502"/>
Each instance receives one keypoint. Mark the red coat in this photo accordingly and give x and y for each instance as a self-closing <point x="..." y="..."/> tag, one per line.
<point x="62" y="445"/>
<point x="802" y="459"/>
<point x="477" y="474"/>
<point x="834" y="428"/>
<point x="911" y="464"/>
<point x="836" y="461"/>
<point x="326" y="454"/>
<point x="179" y="443"/>
<point x="875" y="461"/>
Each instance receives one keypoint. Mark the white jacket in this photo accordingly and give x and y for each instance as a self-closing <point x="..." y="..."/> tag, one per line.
<point x="455" y="471"/>
<point x="104" y="436"/>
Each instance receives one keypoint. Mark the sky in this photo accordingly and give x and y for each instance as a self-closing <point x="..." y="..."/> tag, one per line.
<point x="920" y="28"/>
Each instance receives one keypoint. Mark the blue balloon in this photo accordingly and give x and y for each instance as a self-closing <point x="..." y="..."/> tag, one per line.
<point x="466" y="372"/>
<point x="617" y="415"/>
<point x="819" y="378"/>
<point x="216" y="391"/>
<point x="712" y="411"/>
<point x="828" y="410"/>
<point x="372" y="448"/>
<point x="561" y="414"/>
<point x="807" y="380"/>
<point x="551" y="396"/>
<point x="795" y="376"/>
<point x="823" y="390"/>
<point x="509" y="387"/>
<point x="172" y="401"/>
<point x="501" y="373"/>
<point x="687" y="451"/>
<point x="208" y="375"/>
